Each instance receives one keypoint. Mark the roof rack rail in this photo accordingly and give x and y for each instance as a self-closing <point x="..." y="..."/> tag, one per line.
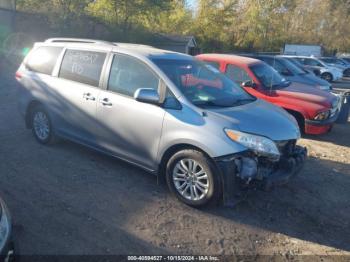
<point x="78" y="40"/>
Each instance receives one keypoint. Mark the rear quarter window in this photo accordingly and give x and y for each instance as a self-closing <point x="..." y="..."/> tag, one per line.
<point x="213" y="64"/>
<point x="43" y="59"/>
<point x="82" y="66"/>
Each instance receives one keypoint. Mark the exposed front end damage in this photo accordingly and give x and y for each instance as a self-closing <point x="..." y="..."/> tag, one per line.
<point x="247" y="170"/>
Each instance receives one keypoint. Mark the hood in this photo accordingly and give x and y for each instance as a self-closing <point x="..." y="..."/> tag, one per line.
<point x="317" y="80"/>
<point x="334" y="68"/>
<point x="310" y="79"/>
<point x="260" y="118"/>
<point x="342" y="67"/>
<point x="307" y="93"/>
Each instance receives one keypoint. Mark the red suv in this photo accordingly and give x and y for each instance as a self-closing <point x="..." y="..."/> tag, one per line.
<point x="314" y="109"/>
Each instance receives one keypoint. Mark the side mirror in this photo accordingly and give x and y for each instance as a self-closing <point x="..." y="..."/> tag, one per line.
<point x="249" y="83"/>
<point x="147" y="95"/>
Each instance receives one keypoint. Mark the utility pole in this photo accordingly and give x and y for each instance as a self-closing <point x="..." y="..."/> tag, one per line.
<point x="14" y="14"/>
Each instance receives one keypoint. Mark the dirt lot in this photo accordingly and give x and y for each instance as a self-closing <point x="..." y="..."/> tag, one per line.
<point x="66" y="199"/>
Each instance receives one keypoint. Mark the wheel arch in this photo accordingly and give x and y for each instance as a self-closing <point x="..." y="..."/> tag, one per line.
<point x="171" y="151"/>
<point x="328" y="73"/>
<point x="29" y="110"/>
<point x="299" y="117"/>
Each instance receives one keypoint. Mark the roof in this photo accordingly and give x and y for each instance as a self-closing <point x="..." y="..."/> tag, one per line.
<point x="234" y="59"/>
<point x="143" y="50"/>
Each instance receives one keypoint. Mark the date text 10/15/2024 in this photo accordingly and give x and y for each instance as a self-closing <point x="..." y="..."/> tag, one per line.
<point x="173" y="258"/>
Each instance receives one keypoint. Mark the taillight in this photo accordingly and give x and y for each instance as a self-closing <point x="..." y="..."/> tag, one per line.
<point x="18" y="75"/>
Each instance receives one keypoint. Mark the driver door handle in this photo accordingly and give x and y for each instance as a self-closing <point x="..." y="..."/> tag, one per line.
<point x="106" y="102"/>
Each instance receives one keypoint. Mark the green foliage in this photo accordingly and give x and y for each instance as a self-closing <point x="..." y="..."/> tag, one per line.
<point x="219" y="25"/>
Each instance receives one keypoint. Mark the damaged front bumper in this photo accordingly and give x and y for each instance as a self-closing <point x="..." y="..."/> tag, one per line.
<point x="245" y="170"/>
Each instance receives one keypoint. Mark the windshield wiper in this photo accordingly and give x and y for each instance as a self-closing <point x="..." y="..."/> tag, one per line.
<point x="244" y="100"/>
<point x="225" y="104"/>
<point x="206" y="103"/>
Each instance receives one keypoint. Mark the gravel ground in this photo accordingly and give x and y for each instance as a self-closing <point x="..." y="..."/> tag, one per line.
<point x="66" y="199"/>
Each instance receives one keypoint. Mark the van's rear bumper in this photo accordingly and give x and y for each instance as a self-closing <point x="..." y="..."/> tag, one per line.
<point x="280" y="173"/>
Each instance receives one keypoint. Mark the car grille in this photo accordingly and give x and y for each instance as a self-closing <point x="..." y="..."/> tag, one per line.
<point x="286" y="147"/>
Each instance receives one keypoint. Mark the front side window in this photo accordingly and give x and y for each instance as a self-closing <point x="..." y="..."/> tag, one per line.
<point x="268" y="76"/>
<point x="312" y="62"/>
<point x="129" y="74"/>
<point x="43" y="59"/>
<point x="82" y="66"/>
<point x="201" y="84"/>
<point x="237" y="74"/>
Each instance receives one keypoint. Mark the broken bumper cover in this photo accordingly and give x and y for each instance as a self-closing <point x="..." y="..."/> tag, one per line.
<point x="267" y="175"/>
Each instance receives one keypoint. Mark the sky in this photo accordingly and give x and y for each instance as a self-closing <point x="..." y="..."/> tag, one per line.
<point x="192" y="3"/>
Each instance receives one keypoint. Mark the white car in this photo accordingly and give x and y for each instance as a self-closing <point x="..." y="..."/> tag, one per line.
<point x="336" y="62"/>
<point x="325" y="71"/>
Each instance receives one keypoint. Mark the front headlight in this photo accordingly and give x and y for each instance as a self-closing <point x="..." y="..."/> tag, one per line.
<point x="322" y="116"/>
<point x="259" y="144"/>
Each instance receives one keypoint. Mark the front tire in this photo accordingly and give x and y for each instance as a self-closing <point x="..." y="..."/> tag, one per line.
<point x="191" y="178"/>
<point x="41" y="125"/>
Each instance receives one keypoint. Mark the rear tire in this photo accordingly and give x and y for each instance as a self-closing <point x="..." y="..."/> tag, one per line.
<point x="41" y="126"/>
<point x="327" y="76"/>
<point x="191" y="177"/>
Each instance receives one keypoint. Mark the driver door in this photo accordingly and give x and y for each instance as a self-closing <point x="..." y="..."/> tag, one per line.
<point x="129" y="129"/>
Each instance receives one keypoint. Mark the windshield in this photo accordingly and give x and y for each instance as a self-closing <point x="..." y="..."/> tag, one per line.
<point x="293" y="68"/>
<point x="329" y="60"/>
<point x="203" y="85"/>
<point x="268" y="76"/>
<point x="297" y="64"/>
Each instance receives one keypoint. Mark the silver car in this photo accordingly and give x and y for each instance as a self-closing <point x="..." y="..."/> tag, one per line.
<point x="165" y="112"/>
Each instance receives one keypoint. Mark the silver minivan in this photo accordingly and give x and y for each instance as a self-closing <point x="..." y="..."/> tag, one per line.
<point x="165" y="112"/>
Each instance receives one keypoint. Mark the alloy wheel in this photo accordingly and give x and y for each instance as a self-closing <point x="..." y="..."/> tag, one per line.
<point x="190" y="179"/>
<point x="41" y="125"/>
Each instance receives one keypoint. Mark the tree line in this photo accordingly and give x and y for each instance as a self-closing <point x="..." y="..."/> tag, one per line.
<point x="218" y="25"/>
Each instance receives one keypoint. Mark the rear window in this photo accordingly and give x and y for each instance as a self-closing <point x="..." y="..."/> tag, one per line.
<point x="43" y="59"/>
<point x="213" y="64"/>
<point x="82" y="66"/>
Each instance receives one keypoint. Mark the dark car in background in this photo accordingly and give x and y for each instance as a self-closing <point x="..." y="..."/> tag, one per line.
<point x="6" y="244"/>
<point x="293" y="73"/>
<point x="345" y="58"/>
